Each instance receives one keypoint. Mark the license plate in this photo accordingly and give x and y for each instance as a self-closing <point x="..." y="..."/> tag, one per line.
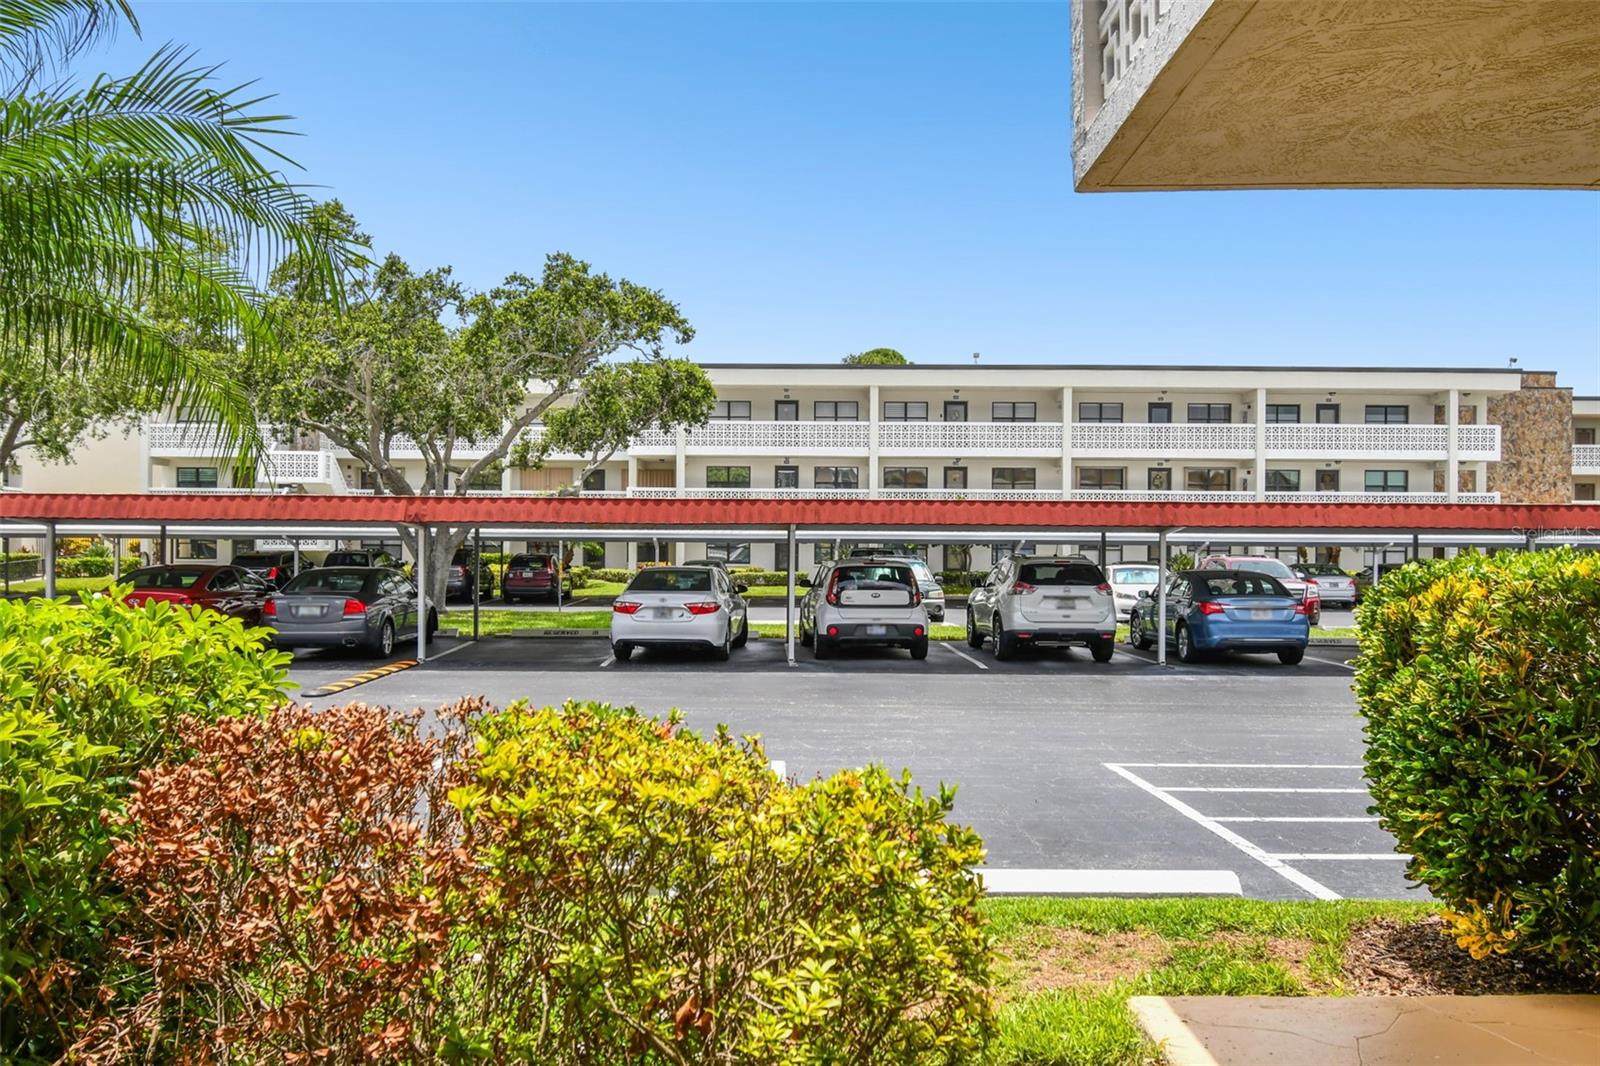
<point x="877" y="631"/>
<point x="308" y="612"/>
<point x="1261" y="614"/>
<point x="663" y="612"/>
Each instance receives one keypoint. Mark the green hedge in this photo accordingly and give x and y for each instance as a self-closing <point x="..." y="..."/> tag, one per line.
<point x="1479" y="678"/>
<point x="89" y="696"/>
<point x="93" y="565"/>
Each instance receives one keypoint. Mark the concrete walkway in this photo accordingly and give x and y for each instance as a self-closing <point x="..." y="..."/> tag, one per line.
<point x="1373" y="1030"/>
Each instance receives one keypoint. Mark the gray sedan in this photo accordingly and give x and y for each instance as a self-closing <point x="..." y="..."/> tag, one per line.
<point x="346" y="607"/>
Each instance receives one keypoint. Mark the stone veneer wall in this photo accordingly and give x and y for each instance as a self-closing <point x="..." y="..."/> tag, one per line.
<point x="1535" y="442"/>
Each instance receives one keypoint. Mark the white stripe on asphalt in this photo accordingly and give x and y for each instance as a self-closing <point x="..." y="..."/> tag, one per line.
<point x="1332" y="662"/>
<point x="1367" y="819"/>
<point x="1022" y="882"/>
<point x="448" y="651"/>
<point x="1289" y="873"/>
<point x="1251" y="765"/>
<point x="1341" y="856"/>
<point x="607" y="661"/>
<point x="1189" y="788"/>
<point x="951" y="647"/>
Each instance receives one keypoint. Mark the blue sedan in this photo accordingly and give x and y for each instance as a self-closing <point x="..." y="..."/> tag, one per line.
<point x="1232" y="610"/>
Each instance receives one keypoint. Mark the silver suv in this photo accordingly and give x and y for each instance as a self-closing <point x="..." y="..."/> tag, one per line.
<point x="864" y="601"/>
<point x="1034" y="600"/>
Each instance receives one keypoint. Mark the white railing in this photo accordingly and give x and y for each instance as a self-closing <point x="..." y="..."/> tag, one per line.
<point x="288" y="467"/>
<point x="968" y="494"/>
<point x="773" y="438"/>
<point x="1158" y="496"/>
<point x="969" y="438"/>
<point x="1381" y="497"/>
<point x="1124" y="27"/>
<point x="1163" y="440"/>
<point x="702" y="493"/>
<point x="1586" y="458"/>
<point x="1322" y="440"/>
<point x="1478" y="442"/>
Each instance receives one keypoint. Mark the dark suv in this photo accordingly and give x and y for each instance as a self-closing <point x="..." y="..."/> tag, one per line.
<point x="530" y="575"/>
<point x="275" y="568"/>
<point x="465" y="572"/>
<point x="364" y="557"/>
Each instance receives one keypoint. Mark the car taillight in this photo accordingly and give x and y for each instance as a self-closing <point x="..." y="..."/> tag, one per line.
<point x="916" y="631"/>
<point x="832" y="595"/>
<point x="269" y="609"/>
<point x="1208" y="607"/>
<point x="460" y="571"/>
<point x="833" y="631"/>
<point x="705" y="607"/>
<point x="1022" y="588"/>
<point x="1104" y="586"/>
<point x="354" y="607"/>
<point x="1311" y="582"/>
<point x="916" y="596"/>
<point x="1301" y="608"/>
<point x="625" y="607"/>
<point x="272" y="574"/>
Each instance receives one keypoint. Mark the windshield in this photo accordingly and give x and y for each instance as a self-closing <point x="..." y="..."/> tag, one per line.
<point x="1238" y="585"/>
<point x="1323" y="570"/>
<point x="667" y="579"/>
<point x="165" y="579"/>
<point x="1262" y="566"/>
<point x="1060" y="574"/>
<point x="346" y="559"/>
<point x="339" y="582"/>
<point x="1133" y="575"/>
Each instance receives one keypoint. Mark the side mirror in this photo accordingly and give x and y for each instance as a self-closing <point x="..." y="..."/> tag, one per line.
<point x="1146" y="594"/>
<point x="803" y="581"/>
<point x="741" y="588"/>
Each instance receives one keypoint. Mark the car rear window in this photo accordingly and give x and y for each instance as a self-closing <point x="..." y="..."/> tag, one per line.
<point x="1239" y="585"/>
<point x="256" y="560"/>
<point x="1321" y="570"/>
<point x="537" y="562"/>
<point x="1061" y="574"/>
<point x="1262" y="566"/>
<point x="664" y="579"/>
<point x="165" y="579"/>
<point x="1134" y="575"/>
<point x="341" y="582"/>
<point x="872" y="576"/>
<point x="346" y="559"/>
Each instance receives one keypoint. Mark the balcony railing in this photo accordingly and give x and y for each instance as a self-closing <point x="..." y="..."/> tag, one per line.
<point x="1163" y="440"/>
<point x="1586" y="458"/>
<point x="1381" y="497"/>
<point x="757" y="438"/>
<point x="1319" y="440"/>
<point x="970" y="438"/>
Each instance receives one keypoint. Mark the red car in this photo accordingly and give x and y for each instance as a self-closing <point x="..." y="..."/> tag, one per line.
<point x="528" y="576"/>
<point x="229" y="590"/>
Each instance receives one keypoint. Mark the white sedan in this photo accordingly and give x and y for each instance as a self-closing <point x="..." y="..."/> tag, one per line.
<point x="1127" y="581"/>
<point x="665" y="606"/>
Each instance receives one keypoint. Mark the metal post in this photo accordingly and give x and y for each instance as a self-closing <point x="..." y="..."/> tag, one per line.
<point x="1161" y="599"/>
<point x="5" y="562"/>
<point x="561" y="569"/>
<point x="788" y="603"/>
<point x="422" y="593"/>
<point x="477" y="580"/>
<point x="1416" y="547"/>
<point x="161" y="548"/>
<point x="1102" y="549"/>
<point x="49" y="560"/>
<point x="116" y="559"/>
<point x="295" y="544"/>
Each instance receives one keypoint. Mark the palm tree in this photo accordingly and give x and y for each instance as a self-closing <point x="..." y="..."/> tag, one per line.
<point x="115" y="198"/>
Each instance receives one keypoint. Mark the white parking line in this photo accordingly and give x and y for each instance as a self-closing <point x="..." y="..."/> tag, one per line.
<point x="1309" y="884"/>
<point x="607" y="661"/>
<point x="1332" y="662"/>
<point x="1189" y="788"/>
<point x="951" y="647"/>
<point x="448" y="651"/>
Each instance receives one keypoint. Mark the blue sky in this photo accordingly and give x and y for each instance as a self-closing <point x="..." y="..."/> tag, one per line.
<point x="811" y="180"/>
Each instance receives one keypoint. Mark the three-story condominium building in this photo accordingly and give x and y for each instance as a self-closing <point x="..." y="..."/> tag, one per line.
<point x="1018" y="432"/>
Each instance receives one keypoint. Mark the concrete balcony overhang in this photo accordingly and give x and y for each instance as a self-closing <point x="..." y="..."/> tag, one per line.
<point x="1245" y="94"/>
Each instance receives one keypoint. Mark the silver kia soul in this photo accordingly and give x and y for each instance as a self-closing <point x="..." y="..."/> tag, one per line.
<point x="864" y="601"/>
<point x="1032" y="600"/>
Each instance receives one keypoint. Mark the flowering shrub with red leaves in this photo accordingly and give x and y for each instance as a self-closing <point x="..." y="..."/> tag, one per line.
<point x="293" y="881"/>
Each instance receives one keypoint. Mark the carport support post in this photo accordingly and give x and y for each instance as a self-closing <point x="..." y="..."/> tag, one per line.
<point x="5" y="562"/>
<point x="295" y="544"/>
<point x="161" y="548"/>
<point x="49" y="560"/>
<point x="561" y="569"/>
<point x="788" y="604"/>
<point x="1102" y="559"/>
<point x="422" y="593"/>
<point x="477" y="583"/>
<point x="1416" y="547"/>
<point x="1161" y="599"/>
<point x="116" y="559"/>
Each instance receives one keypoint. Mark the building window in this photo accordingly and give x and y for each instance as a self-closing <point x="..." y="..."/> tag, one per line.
<point x="1012" y="412"/>
<point x="1328" y="413"/>
<point x="728" y="552"/>
<point x="955" y="410"/>
<point x="593" y="481"/>
<point x="1584" y="491"/>
<point x="786" y="411"/>
<point x="651" y="551"/>
<point x="1102" y="477"/>
<point x="1210" y="412"/>
<point x="836" y="411"/>
<point x="1013" y="477"/>
<point x="1283" y="481"/>
<point x="897" y="411"/>
<point x="1388" y="481"/>
<point x="1583" y="435"/>
<point x="836" y="477"/>
<point x="1283" y="412"/>
<point x="958" y="557"/>
<point x="1160" y="412"/>
<point x="196" y="549"/>
<point x="1327" y="481"/>
<point x="197" y="477"/>
<point x="731" y="411"/>
<point x="1099" y="412"/>
<point x="1158" y="478"/>
<point x="786" y="477"/>
<point x="728" y="477"/>
<point x="1208" y="479"/>
<point x="780" y="555"/>
<point x="905" y="477"/>
<point x="1388" y="414"/>
<point x="955" y="477"/>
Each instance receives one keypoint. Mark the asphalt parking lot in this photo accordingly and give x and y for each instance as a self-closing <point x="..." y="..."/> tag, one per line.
<point x="1238" y="764"/>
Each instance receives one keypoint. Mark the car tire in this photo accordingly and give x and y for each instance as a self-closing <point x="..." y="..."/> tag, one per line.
<point x="433" y="624"/>
<point x="821" y="648"/>
<point x="1187" y="652"/>
<point x="722" y="651"/>
<point x="974" y="638"/>
<point x="1005" y="645"/>
<point x="1291" y="656"/>
<point x="744" y="633"/>
<point x="507" y="598"/>
<point x="1142" y="641"/>
<point x="1316" y="617"/>
<point x="622" y="651"/>
<point x="806" y="638"/>
<point x="383" y="647"/>
<point x="919" y="648"/>
<point x="1102" y="650"/>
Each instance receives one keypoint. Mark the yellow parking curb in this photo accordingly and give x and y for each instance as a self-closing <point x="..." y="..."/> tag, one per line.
<point x="362" y="678"/>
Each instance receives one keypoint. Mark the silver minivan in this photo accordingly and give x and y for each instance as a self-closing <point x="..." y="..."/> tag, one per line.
<point x="1032" y="601"/>
<point x="864" y="601"/>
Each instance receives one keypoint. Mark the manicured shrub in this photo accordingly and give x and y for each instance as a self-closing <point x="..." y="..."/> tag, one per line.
<point x="579" y="576"/>
<point x="614" y="573"/>
<point x="93" y="566"/>
<point x="1479" y="678"/>
<point x="100" y="689"/>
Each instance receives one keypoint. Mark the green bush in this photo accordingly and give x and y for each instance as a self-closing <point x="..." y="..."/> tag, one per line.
<point x="1479" y="678"/>
<point x="100" y="691"/>
<point x="614" y="573"/>
<point x="93" y="565"/>
<point x="579" y="576"/>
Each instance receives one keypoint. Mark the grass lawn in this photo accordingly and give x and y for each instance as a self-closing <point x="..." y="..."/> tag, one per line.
<point x="64" y="585"/>
<point x="498" y="621"/>
<point x="1066" y="967"/>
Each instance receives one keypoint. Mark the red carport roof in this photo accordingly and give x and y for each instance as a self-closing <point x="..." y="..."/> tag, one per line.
<point x="595" y="512"/>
